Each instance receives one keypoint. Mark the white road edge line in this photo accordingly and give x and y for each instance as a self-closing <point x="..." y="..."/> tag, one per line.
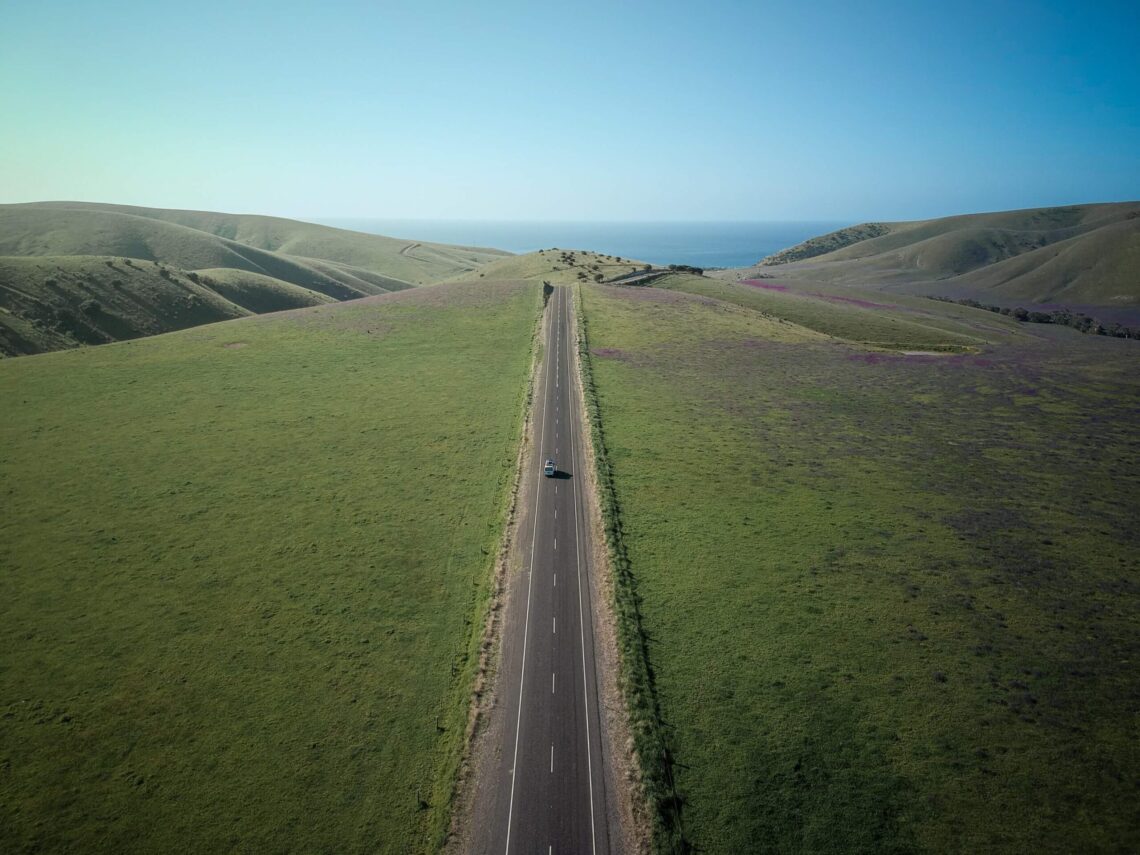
<point x="526" y="623"/>
<point x="582" y="629"/>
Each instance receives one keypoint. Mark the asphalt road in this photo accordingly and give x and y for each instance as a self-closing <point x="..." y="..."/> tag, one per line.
<point x="547" y="793"/>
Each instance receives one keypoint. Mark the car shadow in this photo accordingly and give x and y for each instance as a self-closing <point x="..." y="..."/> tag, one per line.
<point x="561" y="476"/>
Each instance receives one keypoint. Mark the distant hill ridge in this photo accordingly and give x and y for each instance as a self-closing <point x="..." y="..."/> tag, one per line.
<point x="1079" y="255"/>
<point x="140" y="266"/>
<point x="824" y="244"/>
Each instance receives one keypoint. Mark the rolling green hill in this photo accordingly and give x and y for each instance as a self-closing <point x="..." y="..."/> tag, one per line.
<point x="1080" y="255"/>
<point x="53" y="257"/>
<point x="50" y="303"/>
<point x="401" y="260"/>
<point x="257" y="293"/>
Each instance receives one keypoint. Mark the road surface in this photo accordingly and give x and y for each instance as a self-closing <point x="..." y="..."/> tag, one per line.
<point x="547" y="790"/>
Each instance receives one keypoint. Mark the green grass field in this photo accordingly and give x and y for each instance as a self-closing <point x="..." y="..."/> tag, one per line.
<point x="890" y="600"/>
<point x="244" y="570"/>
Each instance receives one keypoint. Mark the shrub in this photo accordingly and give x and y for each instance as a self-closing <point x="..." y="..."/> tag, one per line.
<point x="1060" y="317"/>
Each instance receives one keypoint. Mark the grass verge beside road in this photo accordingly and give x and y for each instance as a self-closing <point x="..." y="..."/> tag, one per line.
<point x="245" y="567"/>
<point x="889" y="599"/>
<point x="646" y="725"/>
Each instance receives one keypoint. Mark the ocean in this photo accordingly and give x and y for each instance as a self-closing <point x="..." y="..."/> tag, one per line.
<point x="704" y="244"/>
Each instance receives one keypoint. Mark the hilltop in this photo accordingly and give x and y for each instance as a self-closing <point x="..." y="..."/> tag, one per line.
<point x="76" y="273"/>
<point x="558" y="266"/>
<point x="1079" y="255"/>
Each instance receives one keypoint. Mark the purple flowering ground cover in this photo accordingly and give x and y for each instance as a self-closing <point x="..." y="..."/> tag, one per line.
<point x="891" y="599"/>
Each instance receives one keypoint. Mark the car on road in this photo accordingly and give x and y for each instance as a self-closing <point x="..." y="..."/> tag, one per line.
<point x="548" y="470"/>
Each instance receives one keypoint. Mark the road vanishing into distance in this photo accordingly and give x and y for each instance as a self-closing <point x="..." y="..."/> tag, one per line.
<point x="547" y="792"/>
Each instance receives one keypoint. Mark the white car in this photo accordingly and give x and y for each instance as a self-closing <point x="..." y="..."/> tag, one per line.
<point x="548" y="470"/>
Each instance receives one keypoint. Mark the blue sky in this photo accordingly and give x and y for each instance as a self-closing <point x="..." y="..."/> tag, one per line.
<point x="584" y="111"/>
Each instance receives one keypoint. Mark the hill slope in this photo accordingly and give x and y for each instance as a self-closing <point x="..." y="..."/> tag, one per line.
<point x="406" y="261"/>
<point x="58" y="302"/>
<point x="56" y="256"/>
<point x="1086" y="255"/>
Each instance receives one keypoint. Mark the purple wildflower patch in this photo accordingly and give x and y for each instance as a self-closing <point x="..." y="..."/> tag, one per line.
<point x="768" y="286"/>
<point x="853" y="301"/>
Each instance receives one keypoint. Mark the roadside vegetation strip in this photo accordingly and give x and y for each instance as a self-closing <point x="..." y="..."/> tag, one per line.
<point x="890" y="597"/>
<point x="245" y="570"/>
<point x="649" y="734"/>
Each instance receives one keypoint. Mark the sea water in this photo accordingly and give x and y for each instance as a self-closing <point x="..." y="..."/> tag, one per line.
<point x="701" y="244"/>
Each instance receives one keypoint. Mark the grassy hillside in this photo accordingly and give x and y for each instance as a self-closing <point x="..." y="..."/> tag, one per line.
<point x="32" y="231"/>
<point x="243" y="569"/>
<point x="830" y="242"/>
<point x="1085" y="255"/>
<point x="896" y="323"/>
<point x="52" y="303"/>
<point x="890" y="600"/>
<point x="1100" y="268"/>
<point x="407" y="261"/>
<point x="272" y="264"/>
<point x="259" y="294"/>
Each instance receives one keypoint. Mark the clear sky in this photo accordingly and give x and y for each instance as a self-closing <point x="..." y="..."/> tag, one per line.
<point x="572" y="111"/>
